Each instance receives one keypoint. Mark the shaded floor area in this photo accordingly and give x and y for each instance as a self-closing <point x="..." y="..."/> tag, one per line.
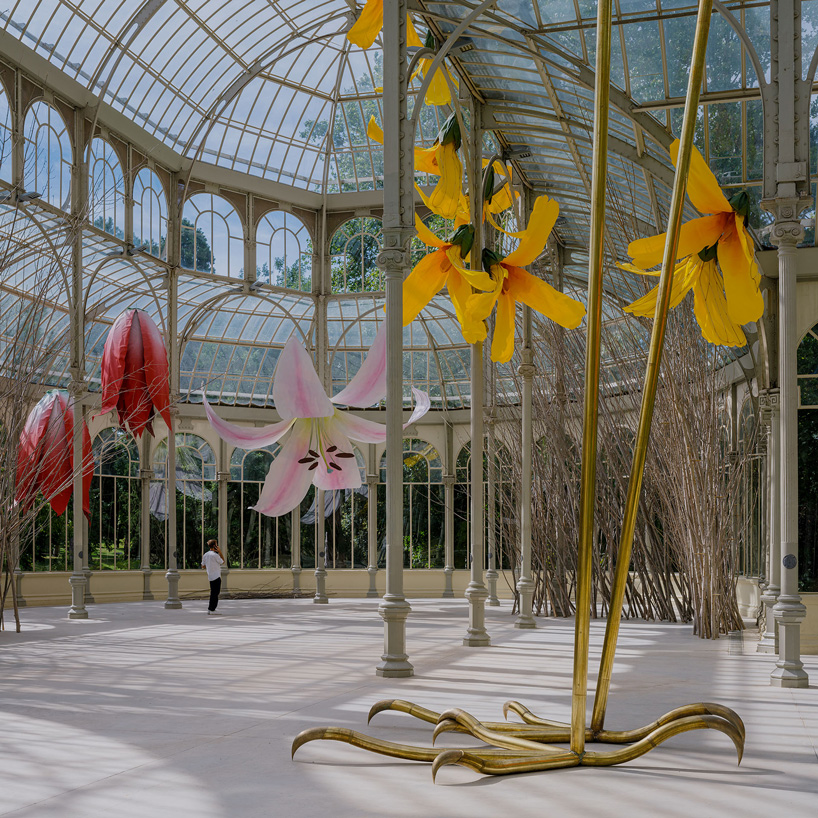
<point x="145" y="712"/>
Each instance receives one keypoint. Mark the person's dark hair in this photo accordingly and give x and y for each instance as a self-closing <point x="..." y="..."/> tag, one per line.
<point x="211" y="543"/>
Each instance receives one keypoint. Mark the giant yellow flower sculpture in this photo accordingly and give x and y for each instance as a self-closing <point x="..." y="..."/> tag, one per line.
<point x="722" y="304"/>
<point x="443" y="268"/>
<point x="369" y="25"/>
<point x="438" y="92"/>
<point x="509" y="283"/>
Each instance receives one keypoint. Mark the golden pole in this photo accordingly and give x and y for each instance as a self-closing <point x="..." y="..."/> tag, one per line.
<point x="592" y="357"/>
<point x="657" y="338"/>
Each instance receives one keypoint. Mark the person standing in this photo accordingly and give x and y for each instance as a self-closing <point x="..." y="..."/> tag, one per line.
<point x="213" y="561"/>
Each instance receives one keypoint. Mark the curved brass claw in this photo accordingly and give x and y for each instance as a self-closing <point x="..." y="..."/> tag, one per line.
<point x="386" y="748"/>
<point x="562" y="731"/>
<point x="490" y="736"/>
<point x="402" y="706"/>
<point x="529" y="718"/>
<point x="495" y="764"/>
<point x="682" y="725"/>
<point x="532" y="731"/>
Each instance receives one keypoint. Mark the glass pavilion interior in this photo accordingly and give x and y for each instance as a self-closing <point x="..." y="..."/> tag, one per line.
<point x="209" y="163"/>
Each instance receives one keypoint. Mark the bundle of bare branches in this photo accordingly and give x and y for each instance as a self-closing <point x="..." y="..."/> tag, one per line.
<point x="34" y="338"/>
<point x="684" y="559"/>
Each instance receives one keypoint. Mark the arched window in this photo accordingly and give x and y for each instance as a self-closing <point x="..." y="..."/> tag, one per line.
<point x="346" y="523"/>
<point x="354" y="255"/>
<point x="106" y="190"/>
<point x="113" y="530"/>
<point x="423" y="504"/>
<point x="284" y="251"/>
<point x="750" y="534"/>
<point x="47" y="155"/>
<point x="502" y="516"/>
<point x="5" y="137"/>
<point x="150" y="213"/>
<point x="212" y="236"/>
<point x="808" y="462"/>
<point x="254" y="540"/>
<point x="196" y="496"/>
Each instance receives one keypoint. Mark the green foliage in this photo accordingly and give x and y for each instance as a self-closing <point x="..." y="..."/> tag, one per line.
<point x="195" y="240"/>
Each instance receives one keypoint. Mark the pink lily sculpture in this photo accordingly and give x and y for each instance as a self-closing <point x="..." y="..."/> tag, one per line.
<point x="45" y="457"/>
<point x="135" y="372"/>
<point x="318" y="449"/>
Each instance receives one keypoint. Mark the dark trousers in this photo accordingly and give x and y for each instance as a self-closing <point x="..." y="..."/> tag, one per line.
<point x="215" y="588"/>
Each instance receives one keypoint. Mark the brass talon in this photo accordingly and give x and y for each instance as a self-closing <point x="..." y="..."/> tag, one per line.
<point x="447" y="726"/>
<point x="402" y="706"/>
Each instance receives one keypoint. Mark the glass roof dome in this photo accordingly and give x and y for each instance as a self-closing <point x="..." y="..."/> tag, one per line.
<point x="263" y="104"/>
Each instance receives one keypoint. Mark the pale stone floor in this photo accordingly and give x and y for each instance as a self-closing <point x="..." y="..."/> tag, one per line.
<point x="141" y="712"/>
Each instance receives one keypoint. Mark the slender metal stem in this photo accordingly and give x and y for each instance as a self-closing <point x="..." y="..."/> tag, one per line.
<point x="657" y="338"/>
<point x="592" y="357"/>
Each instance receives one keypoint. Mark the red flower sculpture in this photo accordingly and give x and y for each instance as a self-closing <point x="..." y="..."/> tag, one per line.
<point x="45" y="459"/>
<point x="135" y="372"/>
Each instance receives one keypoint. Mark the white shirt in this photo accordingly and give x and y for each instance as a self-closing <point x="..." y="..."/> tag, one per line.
<point x="212" y="561"/>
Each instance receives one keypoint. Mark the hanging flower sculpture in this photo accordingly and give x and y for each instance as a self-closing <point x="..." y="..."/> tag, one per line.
<point x="318" y="449"/>
<point x="369" y="24"/>
<point x="439" y="160"/>
<point x="45" y="457"/>
<point x="700" y="274"/>
<point x="725" y="301"/>
<point x="443" y="268"/>
<point x="510" y="284"/>
<point x="135" y="372"/>
<point x="438" y="92"/>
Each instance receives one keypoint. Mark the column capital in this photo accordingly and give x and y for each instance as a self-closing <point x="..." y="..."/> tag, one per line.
<point x="786" y="231"/>
<point x="372" y="479"/>
<point x="448" y="479"/>
<point x="395" y="255"/>
<point x="223" y="476"/>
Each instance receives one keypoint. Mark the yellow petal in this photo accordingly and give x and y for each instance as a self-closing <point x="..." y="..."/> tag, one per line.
<point x="426" y="160"/>
<point x="480" y="305"/>
<point x="533" y="239"/>
<point x="542" y="297"/>
<point x="490" y="219"/>
<point x="502" y="344"/>
<point x="423" y="283"/>
<point x="412" y="38"/>
<point x="426" y="235"/>
<point x="702" y="188"/>
<point x="632" y="268"/>
<point x="445" y="198"/>
<point x="684" y="277"/>
<point x="474" y="331"/>
<point x="438" y="91"/>
<point x="694" y="236"/>
<point x="744" y="300"/>
<point x="710" y="307"/>
<point x="374" y="131"/>
<point x="368" y="25"/>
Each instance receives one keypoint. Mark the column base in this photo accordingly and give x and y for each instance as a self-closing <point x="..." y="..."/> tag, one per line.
<point x="766" y="645"/>
<point x="372" y="593"/>
<point x="525" y="618"/>
<point x="789" y="677"/>
<point x="320" y="597"/>
<point x="476" y="634"/>
<point x="789" y="612"/>
<point x="491" y="580"/>
<point x="77" y="609"/>
<point x="394" y="662"/>
<point x="173" y="602"/>
<point x="147" y="594"/>
<point x="448" y="591"/>
<point x="18" y="580"/>
<point x="89" y="597"/>
<point x="296" y="571"/>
